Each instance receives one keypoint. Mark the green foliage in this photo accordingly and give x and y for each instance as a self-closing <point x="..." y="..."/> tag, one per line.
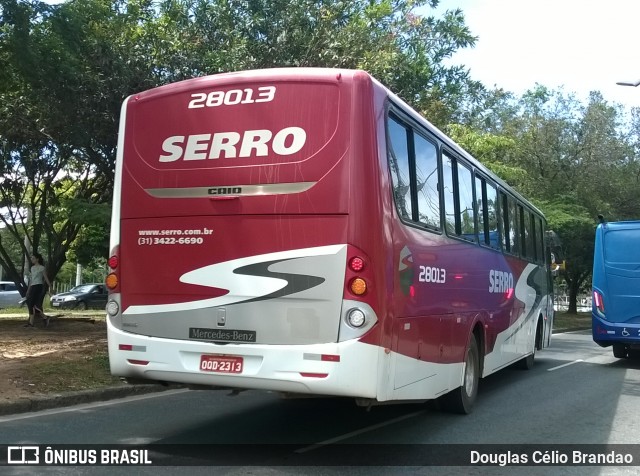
<point x="576" y="227"/>
<point x="495" y="151"/>
<point x="67" y="69"/>
<point x="574" y="160"/>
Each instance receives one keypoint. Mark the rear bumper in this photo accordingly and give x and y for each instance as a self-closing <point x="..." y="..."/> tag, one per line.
<point x="284" y="368"/>
<point x="606" y="333"/>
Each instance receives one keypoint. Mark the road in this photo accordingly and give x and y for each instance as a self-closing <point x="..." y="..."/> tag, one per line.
<point x="577" y="393"/>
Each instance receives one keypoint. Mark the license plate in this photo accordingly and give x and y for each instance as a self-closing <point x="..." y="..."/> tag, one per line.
<point x="55" y="304"/>
<point x="224" y="364"/>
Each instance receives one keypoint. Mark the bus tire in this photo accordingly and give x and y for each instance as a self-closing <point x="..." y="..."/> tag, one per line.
<point x="620" y="351"/>
<point x="528" y="361"/>
<point x="462" y="399"/>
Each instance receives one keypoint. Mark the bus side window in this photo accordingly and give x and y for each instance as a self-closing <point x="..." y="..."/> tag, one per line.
<point x="506" y="228"/>
<point x="398" y="155"/>
<point x="539" y="240"/>
<point x="514" y="227"/>
<point x="492" y="216"/>
<point x="481" y="212"/>
<point x="531" y="236"/>
<point x="465" y="198"/>
<point x="449" y="197"/>
<point x="427" y="182"/>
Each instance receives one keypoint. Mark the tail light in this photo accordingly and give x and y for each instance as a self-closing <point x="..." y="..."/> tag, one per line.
<point x="357" y="283"/>
<point x="356" y="264"/>
<point x="358" y="316"/>
<point x="112" y="281"/>
<point x="598" y="301"/>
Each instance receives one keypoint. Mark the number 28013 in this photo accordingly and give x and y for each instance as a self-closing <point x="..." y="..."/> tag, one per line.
<point x="232" y="97"/>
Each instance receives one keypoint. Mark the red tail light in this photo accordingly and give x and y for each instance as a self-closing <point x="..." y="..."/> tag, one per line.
<point x="598" y="301"/>
<point x="356" y="264"/>
<point x="358" y="274"/>
<point x="112" y="280"/>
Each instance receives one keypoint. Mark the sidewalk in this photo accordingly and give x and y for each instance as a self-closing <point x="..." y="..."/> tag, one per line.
<point x="49" y="402"/>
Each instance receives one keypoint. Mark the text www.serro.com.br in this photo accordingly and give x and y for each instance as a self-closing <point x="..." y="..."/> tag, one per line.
<point x="187" y="232"/>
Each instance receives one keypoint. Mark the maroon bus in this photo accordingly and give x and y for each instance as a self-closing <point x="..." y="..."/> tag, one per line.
<point x="305" y="231"/>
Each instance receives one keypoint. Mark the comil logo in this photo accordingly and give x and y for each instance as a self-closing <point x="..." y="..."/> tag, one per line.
<point x="405" y="271"/>
<point x="23" y="455"/>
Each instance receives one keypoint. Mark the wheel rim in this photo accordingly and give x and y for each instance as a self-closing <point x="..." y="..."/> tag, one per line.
<point x="470" y="373"/>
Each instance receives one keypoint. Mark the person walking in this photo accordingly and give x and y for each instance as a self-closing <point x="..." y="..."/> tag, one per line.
<point x="36" y="289"/>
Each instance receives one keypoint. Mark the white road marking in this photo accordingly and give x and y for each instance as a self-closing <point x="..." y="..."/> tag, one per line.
<point x="564" y="365"/>
<point x="357" y="432"/>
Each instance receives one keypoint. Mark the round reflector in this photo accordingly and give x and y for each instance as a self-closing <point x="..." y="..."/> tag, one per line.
<point x="358" y="286"/>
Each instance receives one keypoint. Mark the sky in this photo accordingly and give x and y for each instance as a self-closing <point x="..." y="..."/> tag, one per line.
<point x="579" y="45"/>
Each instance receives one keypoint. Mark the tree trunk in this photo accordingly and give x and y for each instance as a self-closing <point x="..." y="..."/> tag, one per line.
<point x="574" y="286"/>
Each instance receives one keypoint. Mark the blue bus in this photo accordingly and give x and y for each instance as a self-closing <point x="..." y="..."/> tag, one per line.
<point x="616" y="287"/>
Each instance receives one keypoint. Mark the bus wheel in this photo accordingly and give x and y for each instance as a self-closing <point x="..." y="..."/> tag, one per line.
<point x="619" y="351"/>
<point x="461" y="399"/>
<point x="527" y="362"/>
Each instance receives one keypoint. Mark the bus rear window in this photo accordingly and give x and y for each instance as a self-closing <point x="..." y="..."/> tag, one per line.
<point x="619" y="246"/>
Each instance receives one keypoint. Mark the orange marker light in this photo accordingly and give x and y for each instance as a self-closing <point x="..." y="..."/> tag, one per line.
<point x="358" y="286"/>
<point x="111" y="281"/>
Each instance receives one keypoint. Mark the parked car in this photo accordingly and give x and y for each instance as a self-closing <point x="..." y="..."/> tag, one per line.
<point x="9" y="294"/>
<point x="84" y="296"/>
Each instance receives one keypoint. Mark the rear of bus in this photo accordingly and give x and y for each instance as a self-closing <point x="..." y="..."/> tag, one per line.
<point x="616" y="287"/>
<point x="238" y="256"/>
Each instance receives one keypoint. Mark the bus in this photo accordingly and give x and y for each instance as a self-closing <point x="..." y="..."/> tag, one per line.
<point x="615" y="303"/>
<point x="304" y="231"/>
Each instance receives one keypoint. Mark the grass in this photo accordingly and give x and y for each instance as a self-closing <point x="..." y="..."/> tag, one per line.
<point x="564" y="320"/>
<point x="52" y="311"/>
<point x="58" y="375"/>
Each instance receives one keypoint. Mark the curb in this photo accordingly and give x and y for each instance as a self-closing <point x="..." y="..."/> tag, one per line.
<point x="48" y="402"/>
<point x="571" y="329"/>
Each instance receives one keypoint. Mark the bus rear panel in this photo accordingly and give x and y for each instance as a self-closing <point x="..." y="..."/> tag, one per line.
<point x="616" y="287"/>
<point x="233" y="235"/>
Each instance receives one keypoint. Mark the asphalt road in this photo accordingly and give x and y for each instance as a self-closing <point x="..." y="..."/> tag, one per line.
<point x="577" y="393"/>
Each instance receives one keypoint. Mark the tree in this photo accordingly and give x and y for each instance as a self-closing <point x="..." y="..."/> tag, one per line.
<point x="495" y="151"/>
<point x="55" y="149"/>
<point x="577" y="228"/>
<point x="67" y="69"/>
<point x="580" y="161"/>
<point x="403" y="50"/>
